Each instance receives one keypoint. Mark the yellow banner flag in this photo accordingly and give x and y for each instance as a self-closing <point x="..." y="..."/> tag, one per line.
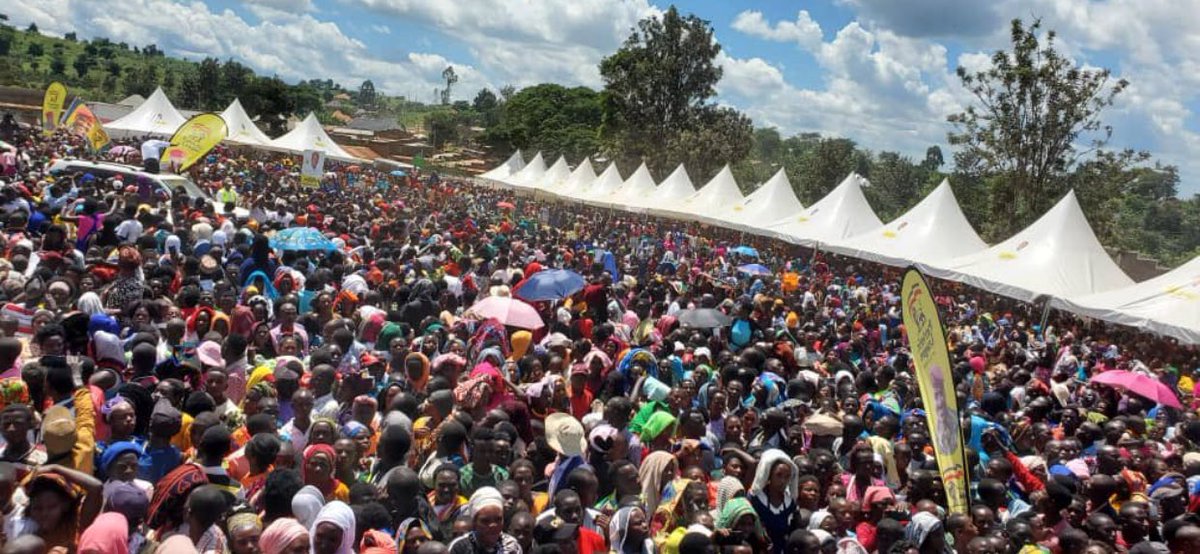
<point x="931" y="356"/>
<point x="52" y="106"/>
<point x="193" y="140"/>
<point x="83" y="122"/>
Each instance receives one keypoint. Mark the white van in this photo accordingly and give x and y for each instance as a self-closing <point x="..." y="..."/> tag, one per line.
<point x="166" y="183"/>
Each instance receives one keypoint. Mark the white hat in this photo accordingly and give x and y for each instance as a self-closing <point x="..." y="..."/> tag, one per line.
<point x="564" y="434"/>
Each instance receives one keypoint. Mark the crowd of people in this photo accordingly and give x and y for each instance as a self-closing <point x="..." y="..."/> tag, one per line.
<point x="173" y="380"/>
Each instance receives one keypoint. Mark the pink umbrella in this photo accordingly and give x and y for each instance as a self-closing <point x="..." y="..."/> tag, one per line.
<point x="1141" y="385"/>
<point x="506" y="310"/>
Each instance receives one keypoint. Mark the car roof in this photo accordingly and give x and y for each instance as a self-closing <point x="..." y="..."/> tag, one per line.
<point x="107" y="166"/>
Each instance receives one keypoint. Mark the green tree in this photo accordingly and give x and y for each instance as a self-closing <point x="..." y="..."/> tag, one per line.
<point x="487" y="106"/>
<point x="823" y="164"/>
<point x="70" y="37"/>
<point x="32" y="29"/>
<point x="34" y="50"/>
<point x="656" y="87"/>
<point x="235" y="79"/>
<point x="896" y="184"/>
<point x="1034" y="108"/>
<point x="768" y="145"/>
<point x="933" y="158"/>
<point x="552" y="118"/>
<point x="141" y="80"/>
<point x="82" y="64"/>
<point x="58" y="64"/>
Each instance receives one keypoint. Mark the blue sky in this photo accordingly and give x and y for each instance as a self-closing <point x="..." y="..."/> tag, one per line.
<point x="880" y="72"/>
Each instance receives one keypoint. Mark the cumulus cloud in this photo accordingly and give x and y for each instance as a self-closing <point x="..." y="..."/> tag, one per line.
<point x="804" y="30"/>
<point x="294" y="46"/>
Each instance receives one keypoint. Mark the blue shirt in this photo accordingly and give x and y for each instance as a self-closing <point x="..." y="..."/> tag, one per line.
<point x="155" y="463"/>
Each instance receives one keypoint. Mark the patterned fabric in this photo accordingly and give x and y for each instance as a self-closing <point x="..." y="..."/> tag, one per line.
<point x="13" y="391"/>
<point x="171" y="493"/>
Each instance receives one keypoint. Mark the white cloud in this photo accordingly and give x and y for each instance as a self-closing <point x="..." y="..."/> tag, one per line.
<point x="804" y="30"/>
<point x="382" y="29"/>
<point x="524" y="42"/>
<point x="286" y="6"/>
<point x="294" y="46"/>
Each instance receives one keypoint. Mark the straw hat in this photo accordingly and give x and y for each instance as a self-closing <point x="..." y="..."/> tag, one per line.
<point x="564" y="434"/>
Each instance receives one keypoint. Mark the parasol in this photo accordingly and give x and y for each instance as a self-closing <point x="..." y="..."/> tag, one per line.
<point x="506" y="310"/>
<point x="551" y="284"/>
<point x="1141" y="385"/>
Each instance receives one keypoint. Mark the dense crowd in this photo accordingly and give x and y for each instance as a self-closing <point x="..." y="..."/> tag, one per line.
<point x="173" y="379"/>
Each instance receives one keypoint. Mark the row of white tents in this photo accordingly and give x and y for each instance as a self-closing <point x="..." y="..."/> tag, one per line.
<point x="158" y="117"/>
<point x="1056" y="259"/>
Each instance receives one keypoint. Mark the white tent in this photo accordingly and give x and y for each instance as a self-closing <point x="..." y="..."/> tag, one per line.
<point x="676" y="188"/>
<point x="934" y="230"/>
<point x="607" y="182"/>
<point x="553" y="177"/>
<point x="639" y="185"/>
<point x="156" y="116"/>
<point x="577" y="182"/>
<point x="842" y="213"/>
<point x="308" y="135"/>
<point x="1056" y="256"/>
<point x="528" y="175"/>
<point x="773" y="201"/>
<point x="1166" y="304"/>
<point x="513" y="164"/>
<point x="241" y="129"/>
<point x="721" y="190"/>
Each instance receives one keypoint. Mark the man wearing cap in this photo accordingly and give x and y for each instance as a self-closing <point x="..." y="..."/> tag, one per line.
<point x="227" y="195"/>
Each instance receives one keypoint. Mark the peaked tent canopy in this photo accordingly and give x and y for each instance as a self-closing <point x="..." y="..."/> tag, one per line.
<point x="241" y="129"/>
<point x="308" y="135"/>
<point x="773" y="201"/>
<point x="553" y="177"/>
<point x="528" y="175"/>
<point x="513" y="164"/>
<point x="676" y="188"/>
<point x="932" y="231"/>
<point x="156" y="116"/>
<point x="576" y="182"/>
<point x="1168" y="304"/>
<point x="602" y="186"/>
<point x="721" y="190"/>
<point x="638" y="185"/>
<point x="842" y="213"/>
<point x="1057" y="256"/>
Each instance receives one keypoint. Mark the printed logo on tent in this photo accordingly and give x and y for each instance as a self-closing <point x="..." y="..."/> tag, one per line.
<point x="738" y="208"/>
<point x="1185" y="291"/>
<point x="806" y="217"/>
<point x="159" y="119"/>
<point x="1007" y="255"/>
<point x="888" y="233"/>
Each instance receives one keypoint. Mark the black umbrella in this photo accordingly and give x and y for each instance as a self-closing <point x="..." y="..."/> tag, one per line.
<point x="704" y="318"/>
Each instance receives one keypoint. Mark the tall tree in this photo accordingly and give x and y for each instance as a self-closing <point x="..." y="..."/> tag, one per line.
<point x="1034" y="107"/>
<point x="656" y="89"/>
<point x="450" y="77"/>
<point x="551" y="118"/>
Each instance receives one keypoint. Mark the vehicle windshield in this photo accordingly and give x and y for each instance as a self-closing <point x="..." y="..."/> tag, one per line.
<point x="175" y="181"/>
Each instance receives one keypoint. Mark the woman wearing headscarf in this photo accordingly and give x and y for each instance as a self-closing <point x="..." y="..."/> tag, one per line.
<point x="319" y="464"/>
<point x="245" y="531"/>
<point x="333" y="530"/>
<point x="411" y="534"/>
<point x="284" y="536"/>
<point x="925" y="531"/>
<point x="62" y="502"/>
<point x="773" y="495"/>
<point x="657" y="432"/>
<point x="629" y="531"/>
<point x="90" y="304"/>
<point x="727" y="489"/>
<point x="682" y="501"/>
<point x="487" y="536"/>
<point x="307" y="504"/>
<point x="109" y="534"/>
<point x="377" y="542"/>
<point x="657" y="469"/>
<point x="739" y="516"/>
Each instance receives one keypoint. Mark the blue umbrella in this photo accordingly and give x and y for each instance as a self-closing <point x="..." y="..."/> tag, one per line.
<point x="301" y="238"/>
<point x="745" y="251"/>
<point x="550" y="284"/>
<point x="398" y="173"/>
<point x="754" y="269"/>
